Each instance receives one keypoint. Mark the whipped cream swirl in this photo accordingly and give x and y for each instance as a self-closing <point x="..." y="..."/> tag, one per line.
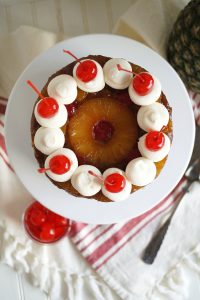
<point x="85" y="183"/>
<point x="56" y="121"/>
<point x="47" y="140"/>
<point x="154" y="155"/>
<point x="113" y="77"/>
<point x="152" y="117"/>
<point x="150" y="98"/>
<point x="124" y="194"/>
<point x="74" y="164"/>
<point x="63" y="88"/>
<point x="94" y="85"/>
<point x="141" y="171"/>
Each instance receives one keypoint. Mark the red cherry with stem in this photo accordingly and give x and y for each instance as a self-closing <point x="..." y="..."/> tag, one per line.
<point x="59" y="164"/>
<point x="86" y="70"/>
<point x="47" y="107"/>
<point x="43" y="170"/>
<point x="115" y="183"/>
<point x="35" y="89"/>
<point x="142" y="82"/>
<point x="155" y="140"/>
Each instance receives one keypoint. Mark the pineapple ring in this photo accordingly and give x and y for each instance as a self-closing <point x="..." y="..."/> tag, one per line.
<point x="123" y="140"/>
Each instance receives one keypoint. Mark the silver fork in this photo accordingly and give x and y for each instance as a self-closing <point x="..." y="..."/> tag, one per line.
<point x="192" y="174"/>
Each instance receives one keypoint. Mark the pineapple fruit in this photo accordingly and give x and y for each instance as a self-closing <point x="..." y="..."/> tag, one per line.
<point x="184" y="45"/>
<point x="107" y="145"/>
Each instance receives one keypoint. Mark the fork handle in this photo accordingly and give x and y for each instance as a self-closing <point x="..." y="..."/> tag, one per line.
<point x="153" y="247"/>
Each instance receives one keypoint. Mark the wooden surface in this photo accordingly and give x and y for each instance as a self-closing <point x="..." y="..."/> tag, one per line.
<point x="68" y="17"/>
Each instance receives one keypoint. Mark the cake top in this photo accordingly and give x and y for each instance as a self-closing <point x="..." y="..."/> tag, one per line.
<point x="51" y="113"/>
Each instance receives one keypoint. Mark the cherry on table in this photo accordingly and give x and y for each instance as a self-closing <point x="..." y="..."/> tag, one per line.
<point x="155" y="140"/>
<point x="115" y="183"/>
<point x="48" y="232"/>
<point x="38" y="217"/>
<point x="44" y="225"/>
<point x="143" y="83"/>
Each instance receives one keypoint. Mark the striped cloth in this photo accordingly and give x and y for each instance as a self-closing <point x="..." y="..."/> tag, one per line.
<point x="98" y="244"/>
<point x="108" y="247"/>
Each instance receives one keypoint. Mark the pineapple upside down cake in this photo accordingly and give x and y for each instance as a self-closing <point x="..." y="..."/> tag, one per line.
<point x="101" y="128"/>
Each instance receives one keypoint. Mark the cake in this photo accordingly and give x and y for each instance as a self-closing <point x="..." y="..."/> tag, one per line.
<point x="101" y="128"/>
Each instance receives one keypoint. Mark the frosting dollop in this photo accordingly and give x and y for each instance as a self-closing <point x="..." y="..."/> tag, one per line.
<point x="154" y="155"/>
<point x="47" y="140"/>
<point x="56" y="121"/>
<point x="150" y="98"/>
<point x="63" y="88"/>
<point x="94" y="85"/>
<point x="124" y="194"/>
<point x="73" y="160"/>
<point x="141" y="171"/>
<point x="113" y="77"/>
<point x="152" y="117"/>
<point x="85" y="183"/>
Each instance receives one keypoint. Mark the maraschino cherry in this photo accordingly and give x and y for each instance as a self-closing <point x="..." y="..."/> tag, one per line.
<point x="114" y="183"/>
<point x="102" y="131"/>
<point x="154" y="140"/>
<point x="58" y="164"/>
<point x="48" y="106"/>
<point x="43" y="225"/>
<point x="86" y="70"/>
<point x="142" y="82"/>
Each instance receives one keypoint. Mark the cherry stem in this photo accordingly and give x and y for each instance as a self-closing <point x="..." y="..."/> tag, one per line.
<point x="43" y="170"/>
<point x="97" y="176"/>
<point x="119" y="67"/>
<point x="35" y="89"/>
<point x="70" y="53"/>
<point x="162" y="128"/>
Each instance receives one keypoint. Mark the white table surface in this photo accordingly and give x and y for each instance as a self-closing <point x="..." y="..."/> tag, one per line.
<point x="55" y="15"/>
